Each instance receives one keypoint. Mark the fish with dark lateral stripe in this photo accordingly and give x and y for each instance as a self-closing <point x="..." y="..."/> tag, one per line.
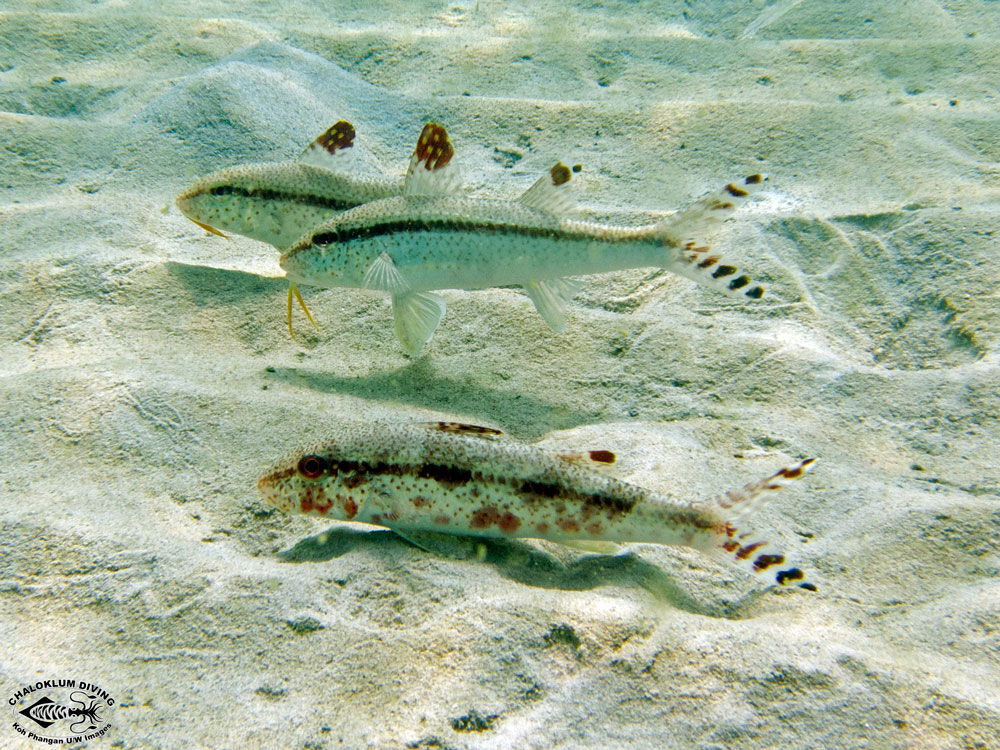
<point x="431" y="238"/>
<point x="468" y="480"/>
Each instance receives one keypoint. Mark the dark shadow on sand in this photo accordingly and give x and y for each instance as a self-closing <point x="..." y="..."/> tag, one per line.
<point x="523" y="563"/>
<point x="208" y="286"/>
<point x="419" y="384"/>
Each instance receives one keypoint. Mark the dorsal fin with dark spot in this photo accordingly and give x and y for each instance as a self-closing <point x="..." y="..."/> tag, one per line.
<point x="550" y="192"/>
<point x="431" y="171"/>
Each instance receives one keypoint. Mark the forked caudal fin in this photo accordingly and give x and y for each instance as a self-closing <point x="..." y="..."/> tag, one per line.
<point x="746" y="548"/>
<point x="687" y="233"/>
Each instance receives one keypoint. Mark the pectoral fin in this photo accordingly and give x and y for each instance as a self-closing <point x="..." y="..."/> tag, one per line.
<point x="417" y="316"/>
<point x="551" y="297"/>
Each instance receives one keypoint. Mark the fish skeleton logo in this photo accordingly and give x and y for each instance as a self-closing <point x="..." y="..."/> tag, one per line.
<point x="59" y="712"/>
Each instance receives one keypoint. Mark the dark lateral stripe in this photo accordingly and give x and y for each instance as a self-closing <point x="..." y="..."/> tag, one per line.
<point x="348" y="234"/>
<point x="305" y="199"/>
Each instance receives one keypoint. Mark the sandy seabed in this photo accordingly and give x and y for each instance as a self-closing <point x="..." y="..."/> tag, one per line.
<point x="148" y="378"/>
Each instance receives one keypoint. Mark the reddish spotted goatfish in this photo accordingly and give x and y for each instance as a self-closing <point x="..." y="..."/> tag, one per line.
<point x="468" y="480"/>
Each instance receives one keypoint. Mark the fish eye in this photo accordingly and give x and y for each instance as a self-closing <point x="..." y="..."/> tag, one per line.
<point x="324" y="238"/>
<point x="312" y="466"/>
<point x="221" y="190"/>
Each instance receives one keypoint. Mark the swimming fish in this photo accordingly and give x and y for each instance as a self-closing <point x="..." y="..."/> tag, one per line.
<point x="453" y="478"/>
<point x="428" y="239"/>
<point x="276" y="202"/>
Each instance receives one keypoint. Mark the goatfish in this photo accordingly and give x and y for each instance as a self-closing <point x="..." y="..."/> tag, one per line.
<point x="467" y="480"/>
<point x="429" y="238"/>
<point x="275" y="202"/>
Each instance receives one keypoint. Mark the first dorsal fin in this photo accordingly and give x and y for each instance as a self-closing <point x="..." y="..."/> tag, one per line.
<point x="460" y="428"/>
<point x="327" y="150"/>
<point x="431" y="171"/>
<point x="549" y="191"/>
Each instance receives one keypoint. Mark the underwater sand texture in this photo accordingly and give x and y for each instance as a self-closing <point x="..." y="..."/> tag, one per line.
<point x="148" y="377"/>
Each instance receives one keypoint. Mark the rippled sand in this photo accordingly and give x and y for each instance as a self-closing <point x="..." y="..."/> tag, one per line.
<point x="148" y="377"/>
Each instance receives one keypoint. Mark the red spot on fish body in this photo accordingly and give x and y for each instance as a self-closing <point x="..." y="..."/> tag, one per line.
<point x="509" y="523"/>
<point x="484" y="518"/>
<point x="419" y="501"/>
<point x="568" y="525"/>
<point x="595" y="528"/>
<point x="376" y="518"/>
<point x="542" y="528"/>
<point x="442" y="520"/>
<point x="350" y="507"/>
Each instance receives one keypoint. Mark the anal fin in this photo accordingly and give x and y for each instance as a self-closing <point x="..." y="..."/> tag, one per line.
<point x="417" y="315"/>
<point x="551" y="297"/>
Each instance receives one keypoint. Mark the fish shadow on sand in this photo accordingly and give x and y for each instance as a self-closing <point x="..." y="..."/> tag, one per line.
<point x="523" y="563"/>
<point x="210" y="286"/>
<point x="419" y="384"/>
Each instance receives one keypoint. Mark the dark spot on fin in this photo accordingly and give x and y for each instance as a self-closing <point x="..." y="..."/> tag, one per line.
<point x="756" y="293"/>
<point x="577" y="167"/>
<point x="604" y="457"/>
<point x="754" y="179"/>
<point x="338" y="136"/>
<point x="434" y="147"/>
<point x="744" y="552"/>
<point x="723" y="271"/>
<point x="808" y="586"/>
<point x="586" y="457"/>
<point x="708" y="262"/>
<point x="735" y="191"/>
<point x="792" y="574"/>
<point x="737" y="283"/>
<point x="763" y="562"/>
<point x="560" y="174"/>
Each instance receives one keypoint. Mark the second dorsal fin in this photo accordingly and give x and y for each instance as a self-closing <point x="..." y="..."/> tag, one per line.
<point x="431" y="171"/>
<point x="549" y="192"/>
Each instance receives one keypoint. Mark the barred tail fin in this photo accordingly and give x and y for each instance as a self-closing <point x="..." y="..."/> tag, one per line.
<point x="743" y="546"/>
<point x="686" y="236"/>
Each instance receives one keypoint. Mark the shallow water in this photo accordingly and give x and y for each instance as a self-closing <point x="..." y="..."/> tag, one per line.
<point x="148" y="377"/>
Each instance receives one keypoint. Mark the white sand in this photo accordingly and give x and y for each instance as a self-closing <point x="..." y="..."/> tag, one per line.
<point x="148" y="377"/>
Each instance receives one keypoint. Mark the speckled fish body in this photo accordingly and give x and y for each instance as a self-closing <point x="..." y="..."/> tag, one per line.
<point x="276" y="202"/>
<point x="465" y="243"/>
<point x="461" y="479"/>
<point x="429" y="239"/>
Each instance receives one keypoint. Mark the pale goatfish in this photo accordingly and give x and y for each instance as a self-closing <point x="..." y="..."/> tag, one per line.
<point x="451" y="478"/>
<point x="275" y="202"/>
<point x="430" y="239"/>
